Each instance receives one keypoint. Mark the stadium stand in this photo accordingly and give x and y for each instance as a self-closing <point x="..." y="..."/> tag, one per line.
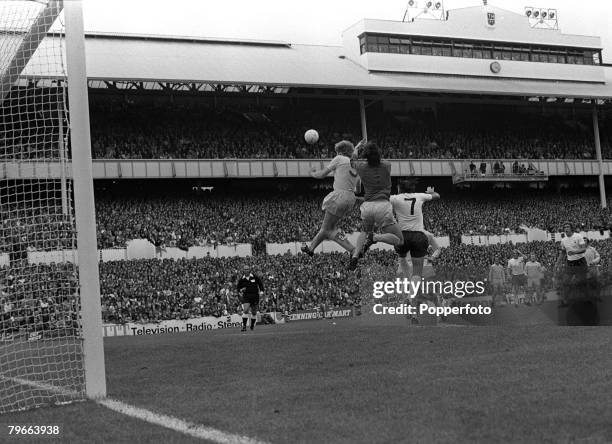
<point x="153" y="290"/>
<point x="235" y="218"/>
<point x="158" y="131"/>
<point x="200" y="218"/>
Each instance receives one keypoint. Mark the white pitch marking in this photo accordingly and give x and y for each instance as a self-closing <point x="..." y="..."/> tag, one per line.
<point x="169" y="422"/>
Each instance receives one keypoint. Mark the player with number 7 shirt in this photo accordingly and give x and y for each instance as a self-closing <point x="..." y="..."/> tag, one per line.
<point x="408" y="207"/>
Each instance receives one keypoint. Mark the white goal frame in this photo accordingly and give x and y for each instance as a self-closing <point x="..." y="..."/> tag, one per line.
<point x="91" y="311"/>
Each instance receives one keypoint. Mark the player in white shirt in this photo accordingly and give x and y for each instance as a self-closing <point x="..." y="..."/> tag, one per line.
<point x="408" y="207"/>
<point x="572" y="260"/>
<point x="340" y="201"/>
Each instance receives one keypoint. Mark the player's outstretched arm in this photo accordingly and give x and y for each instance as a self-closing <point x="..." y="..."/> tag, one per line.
<point x="432" y="193"/>
<point x="358" y="147"/>
<point x="320" y="174"/>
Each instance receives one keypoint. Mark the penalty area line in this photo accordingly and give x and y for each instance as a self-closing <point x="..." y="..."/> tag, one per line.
<point x="166" y="421"/>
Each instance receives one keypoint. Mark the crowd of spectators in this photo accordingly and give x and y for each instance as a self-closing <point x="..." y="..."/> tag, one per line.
<point x="132" y="131"/>
<point x="29" y="130"/>
<point x="38" y="297"/>
<point x="152" y="290"/>
<point x="212" y="219"/>
<point x="43" y="228"/>
<point x="224" y="218"/>
<point x="162" y="130"/>
<point x="217" y="217"/>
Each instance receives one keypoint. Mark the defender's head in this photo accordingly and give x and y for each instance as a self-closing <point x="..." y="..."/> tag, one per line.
<point x="568" y="228"/>
<point x="532" y="257"/>
<point x="344" y="148"/>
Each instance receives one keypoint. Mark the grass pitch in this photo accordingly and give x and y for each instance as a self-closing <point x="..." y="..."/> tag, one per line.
<point x="356" y="381"/>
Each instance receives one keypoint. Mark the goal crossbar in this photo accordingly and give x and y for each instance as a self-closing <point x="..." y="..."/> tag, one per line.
<point x="31" y="41"/>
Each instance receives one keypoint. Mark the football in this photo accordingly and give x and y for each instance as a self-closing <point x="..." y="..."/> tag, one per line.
<point x="311" y="136"/>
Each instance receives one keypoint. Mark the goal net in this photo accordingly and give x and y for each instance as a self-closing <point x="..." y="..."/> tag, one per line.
<point x="41" y="334"/>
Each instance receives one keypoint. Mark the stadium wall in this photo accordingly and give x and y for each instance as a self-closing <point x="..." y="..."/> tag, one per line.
<point x="275" y="168"/>
<point x="143" y="249"/>
<point x="207" y="323"/>
<point x="332" y="247"/>
<point x="532" y="235"/>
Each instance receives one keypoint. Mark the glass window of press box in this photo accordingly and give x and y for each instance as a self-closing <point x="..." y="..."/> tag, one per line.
<point x="478" y="50"/>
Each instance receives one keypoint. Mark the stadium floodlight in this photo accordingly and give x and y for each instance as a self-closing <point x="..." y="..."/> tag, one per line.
<point x="425" y="9"/>
<point x="60" y="357"/>
<point x="543" y="18"/>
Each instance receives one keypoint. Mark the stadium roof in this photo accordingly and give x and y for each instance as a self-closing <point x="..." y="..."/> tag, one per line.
<point x="168" y="59"/>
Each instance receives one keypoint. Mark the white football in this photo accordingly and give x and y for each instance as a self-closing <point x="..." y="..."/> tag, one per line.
<point x="311" y="136"/>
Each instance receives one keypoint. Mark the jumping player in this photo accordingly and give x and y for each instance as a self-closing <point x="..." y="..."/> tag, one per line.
<point x="408" y="206"/>
<point x="249" y="287"/>
<point x="376" y="210"/>
<point x="339" y="202"/>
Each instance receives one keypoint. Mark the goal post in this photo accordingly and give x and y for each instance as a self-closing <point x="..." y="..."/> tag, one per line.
<point x="82" y="173"/>
<point x="51" y="349"/>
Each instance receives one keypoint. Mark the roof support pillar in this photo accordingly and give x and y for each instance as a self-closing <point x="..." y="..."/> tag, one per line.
<point x="602" y="184"/>
<point x="362" y="113"/>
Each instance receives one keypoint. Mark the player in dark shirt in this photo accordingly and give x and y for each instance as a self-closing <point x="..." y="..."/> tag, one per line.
<point x="376" y="210"/>
<point x="249" y="287"/>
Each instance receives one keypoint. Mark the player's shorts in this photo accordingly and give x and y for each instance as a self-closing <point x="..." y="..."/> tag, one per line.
<point x="339" y="203"/>
<point x="377" y="214"/>
<point x="519" y="279"/>
<point x="578" y="263"/>
<point x="415" y="243"/>
<point x="576" y="271"/>
<point x="534" y="282"/>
